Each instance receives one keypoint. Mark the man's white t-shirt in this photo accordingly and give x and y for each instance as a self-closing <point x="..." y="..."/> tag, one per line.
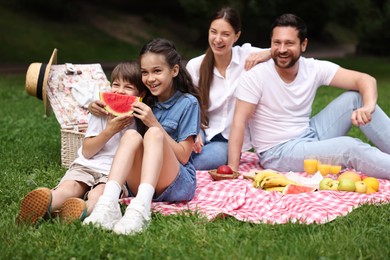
<point x="222" y="100"/>
<point x="283" y="109"/>
<point x="102" y="161"/>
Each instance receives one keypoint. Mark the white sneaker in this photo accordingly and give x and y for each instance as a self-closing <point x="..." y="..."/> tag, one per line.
<point x="136" y="219"/>
<point x="105" y="214"/>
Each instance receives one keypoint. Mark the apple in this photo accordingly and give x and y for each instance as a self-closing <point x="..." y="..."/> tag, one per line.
<point x="346" y="185"/>
<point x="328" y="184"/>
<point x="360" y="187"/>
<point x="224" y="169"/>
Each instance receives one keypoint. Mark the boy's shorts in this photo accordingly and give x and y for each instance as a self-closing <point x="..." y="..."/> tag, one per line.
<point x="91" y="178"/>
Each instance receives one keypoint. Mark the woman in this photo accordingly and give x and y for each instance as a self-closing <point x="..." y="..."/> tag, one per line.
<point x="216" y="73"/>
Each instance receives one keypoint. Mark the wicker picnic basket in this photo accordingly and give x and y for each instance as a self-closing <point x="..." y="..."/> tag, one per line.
<point x="72" y="117"/>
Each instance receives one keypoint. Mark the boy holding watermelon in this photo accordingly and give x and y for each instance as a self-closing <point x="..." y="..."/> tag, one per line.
<point x="87" y="175"/>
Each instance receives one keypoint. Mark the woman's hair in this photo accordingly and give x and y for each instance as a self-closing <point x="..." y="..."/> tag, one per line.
<point x="130" y="71"/>
<point x="291" y="20"/>
<point x="182" y="81"/>
<point x="206" y="70"/>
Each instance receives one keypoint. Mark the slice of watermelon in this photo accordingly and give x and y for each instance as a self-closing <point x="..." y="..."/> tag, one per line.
<point x="117" y="104"/>
<point x="296" y="189"/>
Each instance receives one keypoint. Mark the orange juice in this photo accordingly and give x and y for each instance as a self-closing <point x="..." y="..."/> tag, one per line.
<point x="310" y="166"/>
<point x="335" y="169"/>
<point x="324" y="169"/>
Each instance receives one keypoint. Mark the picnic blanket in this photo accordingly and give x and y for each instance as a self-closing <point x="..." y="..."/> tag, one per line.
<point x="239" y="199"/>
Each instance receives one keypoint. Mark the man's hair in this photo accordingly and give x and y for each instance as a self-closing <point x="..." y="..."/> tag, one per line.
<point x="291" y="20"/>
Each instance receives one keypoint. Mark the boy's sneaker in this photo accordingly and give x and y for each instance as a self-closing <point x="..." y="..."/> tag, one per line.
<point x="73" y="209"/>
<point x="34" y="206"/>
<point x="105" y="214"/>
<point x="136" y="219"/>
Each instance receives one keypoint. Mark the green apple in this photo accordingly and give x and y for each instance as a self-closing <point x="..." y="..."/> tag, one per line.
<point x="328" y="184"/>
<point x="346" y="185"/>
<point x="360" y="187"/>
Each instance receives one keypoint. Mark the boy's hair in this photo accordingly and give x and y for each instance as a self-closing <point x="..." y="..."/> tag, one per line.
<point x="129" y="71"/>
<point x="182" y="81"/>
<point x="291" y="20"/>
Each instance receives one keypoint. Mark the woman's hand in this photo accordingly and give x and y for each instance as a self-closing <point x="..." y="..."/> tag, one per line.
<point x="255" y="58"/>
<point x="96" y="108"/>
<point x="197" y="148"/>
<point x="145" y="113"/>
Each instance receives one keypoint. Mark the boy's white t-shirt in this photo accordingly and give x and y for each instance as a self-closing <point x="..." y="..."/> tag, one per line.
<point x="283" y="109"/>
<point x="221" y="96"/>
<point x="102" y="161"/>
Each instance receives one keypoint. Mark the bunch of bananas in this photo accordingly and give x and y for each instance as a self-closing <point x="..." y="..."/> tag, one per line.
<point x="271" y="180"/>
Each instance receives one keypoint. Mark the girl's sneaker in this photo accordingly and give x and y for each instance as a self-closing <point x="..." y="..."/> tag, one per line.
<point x="34" y="206"/>
<point x="105" y="214"/>
<point x="135" y="220"/>
<point x="73" y="209"/>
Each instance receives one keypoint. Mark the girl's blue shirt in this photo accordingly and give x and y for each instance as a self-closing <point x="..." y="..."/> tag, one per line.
<point x="179" y="116"/>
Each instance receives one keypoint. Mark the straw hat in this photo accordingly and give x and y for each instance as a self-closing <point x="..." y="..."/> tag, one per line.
<point x="37" y="77"/>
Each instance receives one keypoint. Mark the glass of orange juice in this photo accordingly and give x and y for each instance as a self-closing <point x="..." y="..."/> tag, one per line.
<point x="335" y="168"/>
<point x="324" y="166"/>
<point x="310" y="164"/>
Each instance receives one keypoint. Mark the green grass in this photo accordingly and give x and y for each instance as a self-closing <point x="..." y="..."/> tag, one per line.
<point x="30" y="158"/>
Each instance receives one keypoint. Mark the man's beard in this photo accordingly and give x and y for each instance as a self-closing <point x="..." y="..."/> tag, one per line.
<point x="287" y="65"/>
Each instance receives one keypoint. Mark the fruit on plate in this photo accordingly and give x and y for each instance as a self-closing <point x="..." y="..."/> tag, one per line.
<point x="372" y="183"/>
<point x="360" y="187"/>
<point x="350" y="175"/>
<point x="296" y="189"/>
<point x="329" y="184"/>
<point x="346" y="185"/>
<point x="224" y="169"/>
<point x="117" y="104"/>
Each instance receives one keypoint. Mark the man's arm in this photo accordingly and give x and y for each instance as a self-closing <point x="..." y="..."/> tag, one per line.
<point x="366" y="85"/>
<point x="242" y="114"/>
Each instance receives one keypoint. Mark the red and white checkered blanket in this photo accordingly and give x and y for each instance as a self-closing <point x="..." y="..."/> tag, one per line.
<point x="239" y="199"/>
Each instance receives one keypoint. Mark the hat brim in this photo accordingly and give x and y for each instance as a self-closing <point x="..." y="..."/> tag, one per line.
<point x="53" y="60"/>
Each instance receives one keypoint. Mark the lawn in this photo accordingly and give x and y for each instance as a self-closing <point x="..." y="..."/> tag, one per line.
<point x="30" y="158"/>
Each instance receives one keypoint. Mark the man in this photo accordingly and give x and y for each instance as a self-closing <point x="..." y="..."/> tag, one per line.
<point x="276" y="98"/>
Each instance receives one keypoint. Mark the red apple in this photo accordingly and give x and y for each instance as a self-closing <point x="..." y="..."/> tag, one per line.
<point x="224" y="169"/>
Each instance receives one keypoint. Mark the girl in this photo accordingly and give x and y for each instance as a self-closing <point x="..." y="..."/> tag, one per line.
<point x="87" y="175"/>
<point x="158" y="166"/>
<point x="216" y="74"/>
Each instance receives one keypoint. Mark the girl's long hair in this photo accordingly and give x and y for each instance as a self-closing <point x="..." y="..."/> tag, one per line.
<point x="182" y="81"/>
<point x="206" y="70"/>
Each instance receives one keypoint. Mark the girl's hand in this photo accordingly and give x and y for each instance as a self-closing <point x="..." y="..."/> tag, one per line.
<point x="197" y="148"/>
<point x="145" y="113"/>
<point x="116" y="124"/>
<point x="96" y="108"/>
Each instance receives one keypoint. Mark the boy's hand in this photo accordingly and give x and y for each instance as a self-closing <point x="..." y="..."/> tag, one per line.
<point x="116" y="124"/>
<point x="96" y="108"/>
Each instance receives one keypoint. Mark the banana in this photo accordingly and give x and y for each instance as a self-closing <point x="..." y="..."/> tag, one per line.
<point x="280" y="189"/>
<point x="267" y="179"/>
<point x="261" y="175"/>
<point x="276" y="182"/>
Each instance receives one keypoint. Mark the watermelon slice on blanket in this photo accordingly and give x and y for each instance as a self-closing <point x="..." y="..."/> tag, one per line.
<point x="296" y="189"/>
<point x="117" y="104"/>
